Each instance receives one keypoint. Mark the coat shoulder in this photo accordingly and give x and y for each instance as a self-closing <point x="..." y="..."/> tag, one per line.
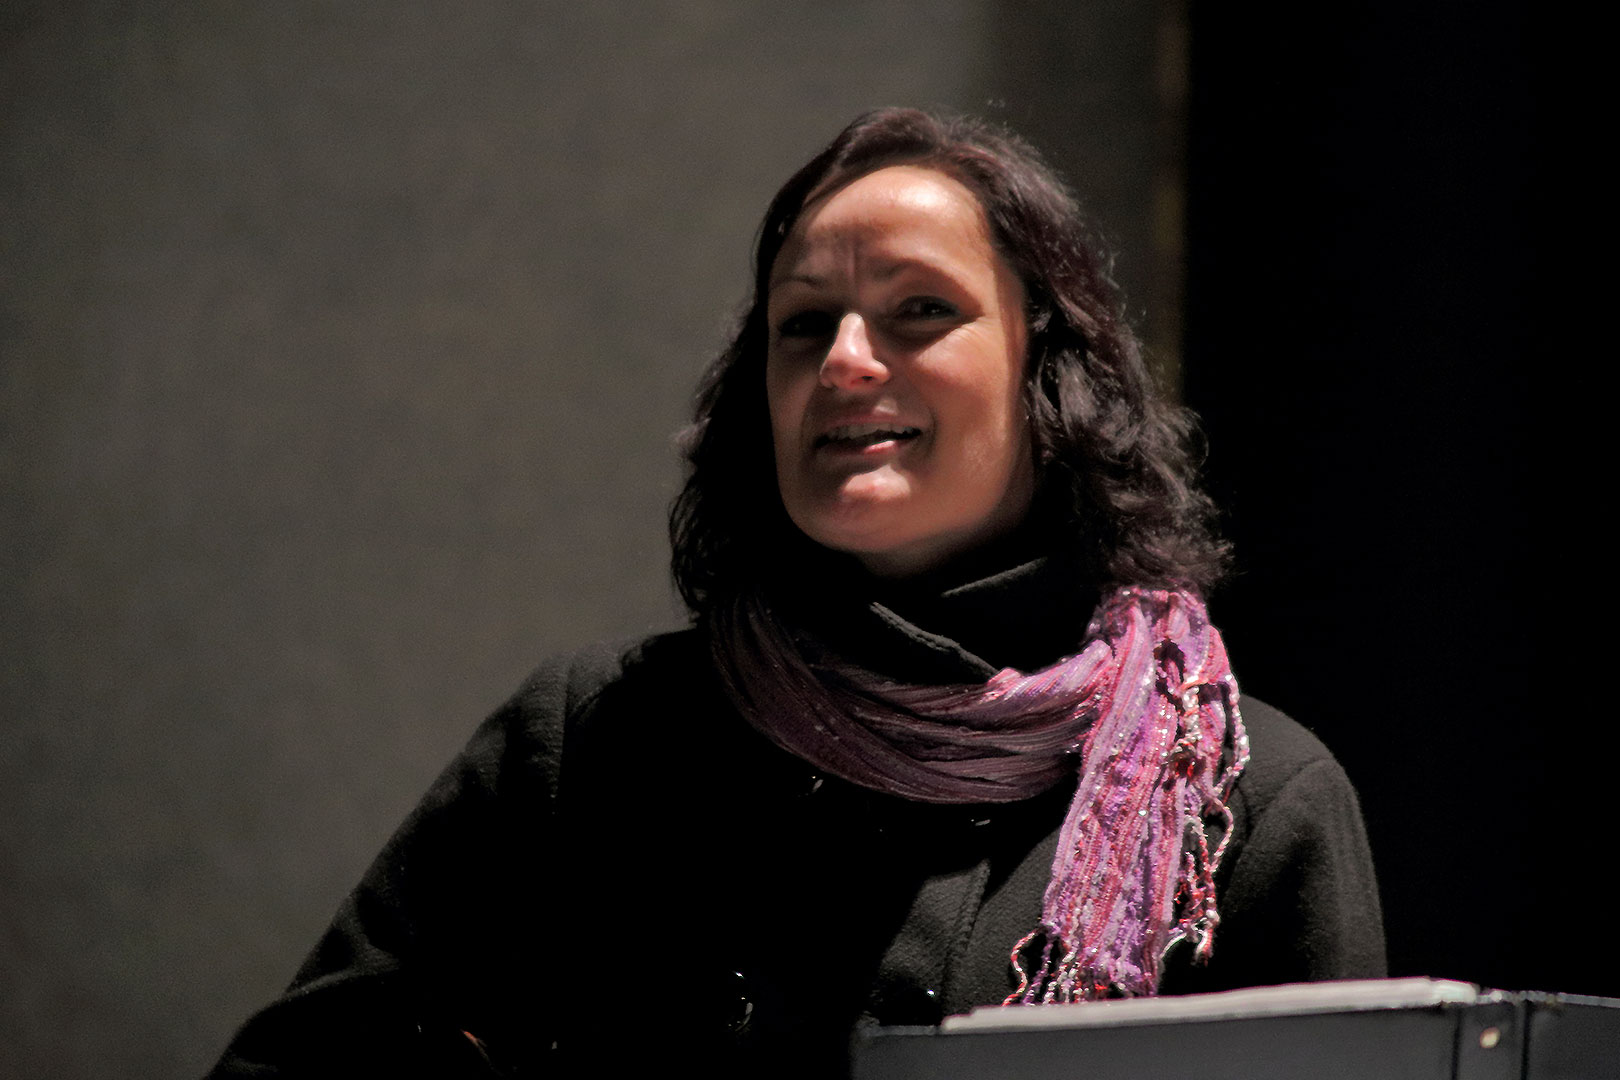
<point x="567" y="686"/>
<point x="1280" y="750"/>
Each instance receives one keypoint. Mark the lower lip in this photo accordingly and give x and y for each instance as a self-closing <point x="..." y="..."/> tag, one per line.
<point x="862" y="450"/>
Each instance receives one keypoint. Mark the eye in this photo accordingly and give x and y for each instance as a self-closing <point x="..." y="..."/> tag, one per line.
<point x="921" y="319"/>
<point x="806" y="324"/>
<point x="926" y="307"/>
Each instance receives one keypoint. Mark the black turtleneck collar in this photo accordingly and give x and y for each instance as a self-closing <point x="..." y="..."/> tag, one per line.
<point x="1026" y="613"/>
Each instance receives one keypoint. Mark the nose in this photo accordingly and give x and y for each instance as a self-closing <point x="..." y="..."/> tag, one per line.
<point x="850" y="362"/>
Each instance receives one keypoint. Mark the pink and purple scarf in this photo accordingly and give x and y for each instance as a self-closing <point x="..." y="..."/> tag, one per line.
<point x="1146" y="713"/>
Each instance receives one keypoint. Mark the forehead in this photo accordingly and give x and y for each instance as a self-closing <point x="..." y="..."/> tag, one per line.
<point x="901" y="212"/>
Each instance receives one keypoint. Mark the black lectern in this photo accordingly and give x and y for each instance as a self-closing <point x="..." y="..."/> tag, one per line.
<point x="1379" y="1029"/>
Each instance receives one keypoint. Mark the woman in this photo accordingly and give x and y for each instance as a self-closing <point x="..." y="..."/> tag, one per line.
<point x="950" y="729"/>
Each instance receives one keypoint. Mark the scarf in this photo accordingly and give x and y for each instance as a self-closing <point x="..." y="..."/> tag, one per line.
<point x="1146" y="713"/>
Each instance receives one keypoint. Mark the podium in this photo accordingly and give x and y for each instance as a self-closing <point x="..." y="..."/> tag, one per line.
<point x="1376" y="1029"/>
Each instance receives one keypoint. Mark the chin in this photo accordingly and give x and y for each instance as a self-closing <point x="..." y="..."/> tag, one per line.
<point x="860" y="527"/>
<point x="848" y="542"/>
<point x="885" y="552"/>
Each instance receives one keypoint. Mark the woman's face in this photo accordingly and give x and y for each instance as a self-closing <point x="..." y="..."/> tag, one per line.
<point x="895" y="374"/>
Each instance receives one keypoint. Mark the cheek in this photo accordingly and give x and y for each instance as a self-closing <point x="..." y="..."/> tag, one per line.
<point x="1001" y="447"/>
<point x="784" y="402"/>
<point x="993" y="420"/>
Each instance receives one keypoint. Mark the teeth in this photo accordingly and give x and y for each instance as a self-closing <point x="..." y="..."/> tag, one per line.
<point x="850" y="432"/>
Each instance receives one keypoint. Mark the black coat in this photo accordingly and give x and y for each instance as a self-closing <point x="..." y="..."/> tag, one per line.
<point x="619" y="871"/>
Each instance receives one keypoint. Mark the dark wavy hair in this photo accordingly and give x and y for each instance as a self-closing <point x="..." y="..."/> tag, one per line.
<point x="1116" y="475"/>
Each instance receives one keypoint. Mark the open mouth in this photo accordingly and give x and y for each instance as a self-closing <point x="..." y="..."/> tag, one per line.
<point x="861" y="436"/>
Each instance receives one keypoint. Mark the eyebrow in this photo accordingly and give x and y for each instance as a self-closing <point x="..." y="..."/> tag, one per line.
<point x="889" y="269"/>
<point x="803" y="279"/>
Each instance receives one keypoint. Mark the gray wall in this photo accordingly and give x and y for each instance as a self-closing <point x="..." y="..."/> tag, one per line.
<point x="341" y="348"/>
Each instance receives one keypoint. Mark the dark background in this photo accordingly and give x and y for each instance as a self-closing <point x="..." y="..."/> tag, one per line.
<point x="341" y="347"/>
<point x="1367" y="339"/>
